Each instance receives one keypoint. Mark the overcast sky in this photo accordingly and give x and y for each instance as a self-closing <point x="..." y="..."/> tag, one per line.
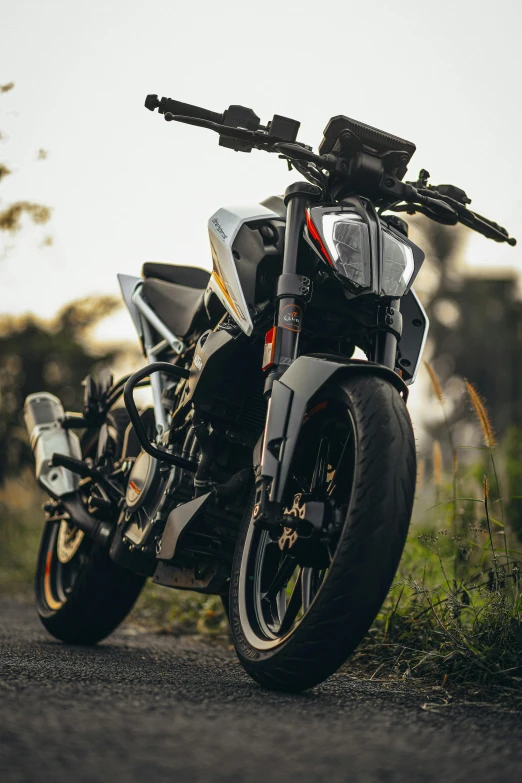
<point x="126" y="187"/>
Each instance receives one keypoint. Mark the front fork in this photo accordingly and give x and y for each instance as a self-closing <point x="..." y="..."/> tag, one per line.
<point x="389" y="330"/>
<point x="293" y="291"/>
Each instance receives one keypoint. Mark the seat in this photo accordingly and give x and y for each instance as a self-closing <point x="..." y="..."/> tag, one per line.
<point x="180" y="307"/>
<point x="190" y="276"/>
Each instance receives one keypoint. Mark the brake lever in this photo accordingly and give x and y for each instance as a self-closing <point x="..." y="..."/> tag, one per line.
<point x="476" y="222"/>
<point x="486" y="227"/>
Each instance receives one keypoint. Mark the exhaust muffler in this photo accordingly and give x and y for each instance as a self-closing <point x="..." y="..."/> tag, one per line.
<point x="44" y="414"/>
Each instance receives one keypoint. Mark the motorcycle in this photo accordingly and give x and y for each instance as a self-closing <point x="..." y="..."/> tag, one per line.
<point x="273" y="469"/>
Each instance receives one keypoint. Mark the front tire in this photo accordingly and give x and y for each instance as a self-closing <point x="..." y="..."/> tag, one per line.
<point x="372" y="479"/>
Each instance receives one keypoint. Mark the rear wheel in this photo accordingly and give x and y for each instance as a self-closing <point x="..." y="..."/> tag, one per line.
<point x="300" y="604"/>
<point x="81" y="594"/>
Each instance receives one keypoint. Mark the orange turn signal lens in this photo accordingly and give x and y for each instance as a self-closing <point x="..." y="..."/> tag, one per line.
<point x="268" y="353"/>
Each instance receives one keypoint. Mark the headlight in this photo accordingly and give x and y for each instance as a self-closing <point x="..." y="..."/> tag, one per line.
<point x="397" y="265"/>
<point x="342" y="237"/>
<point x="348" y="245"/>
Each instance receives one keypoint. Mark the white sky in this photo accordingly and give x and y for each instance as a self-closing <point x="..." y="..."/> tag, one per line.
<point x="126" y="187"/>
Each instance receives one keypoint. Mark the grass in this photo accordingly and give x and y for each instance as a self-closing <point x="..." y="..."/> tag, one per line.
<point x="180" y="612"/>
<point x="21" y="519"/>
<point x="453" y="616"/>
<point x="454" y="613"/>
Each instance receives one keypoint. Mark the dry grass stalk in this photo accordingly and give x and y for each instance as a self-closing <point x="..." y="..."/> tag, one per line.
<point x="485" y="484"/>
<point x="435" y="383"/>
<point x="437" y="463"/>
<point x="420" y="473"/>
<point x="482" y="415"/>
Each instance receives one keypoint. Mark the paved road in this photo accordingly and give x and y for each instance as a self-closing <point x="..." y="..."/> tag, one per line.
<point x="144" y="707"/>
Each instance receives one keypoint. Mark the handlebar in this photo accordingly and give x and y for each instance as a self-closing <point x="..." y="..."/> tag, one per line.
<point x="239" y="128"/>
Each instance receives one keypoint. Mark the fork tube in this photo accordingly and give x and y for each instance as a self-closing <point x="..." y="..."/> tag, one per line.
<point x="293" y="289"/>
<point x="389" y="322"/>
<point x="386" y="349"/>
<point x="295" y="220"/>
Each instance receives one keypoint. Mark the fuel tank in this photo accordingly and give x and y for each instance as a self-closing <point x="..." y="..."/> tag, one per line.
<point x="247" y="255"/>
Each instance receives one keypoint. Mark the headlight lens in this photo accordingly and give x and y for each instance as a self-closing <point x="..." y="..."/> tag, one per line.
<point x="347" y="241"/>
<point x="397" y="265"/>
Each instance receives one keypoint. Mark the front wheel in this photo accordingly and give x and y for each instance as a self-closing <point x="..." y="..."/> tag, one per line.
<point x="300" y="604"/>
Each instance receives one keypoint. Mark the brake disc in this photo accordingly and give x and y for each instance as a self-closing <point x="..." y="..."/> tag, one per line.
<point x="68" y="541"/>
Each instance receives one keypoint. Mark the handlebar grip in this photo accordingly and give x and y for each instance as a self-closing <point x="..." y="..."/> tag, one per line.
<point x="176" y="107"/>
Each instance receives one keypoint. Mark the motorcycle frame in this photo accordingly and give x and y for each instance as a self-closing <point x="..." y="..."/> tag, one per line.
<point x="145" y="321"/>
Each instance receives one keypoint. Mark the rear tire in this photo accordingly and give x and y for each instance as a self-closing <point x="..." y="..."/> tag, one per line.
<point x="350" y="592"/>
<point x="81" y="600"/>
<point x="100" y="598"/>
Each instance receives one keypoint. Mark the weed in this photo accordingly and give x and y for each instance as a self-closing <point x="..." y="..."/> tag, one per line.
<point x="454" y="613"/>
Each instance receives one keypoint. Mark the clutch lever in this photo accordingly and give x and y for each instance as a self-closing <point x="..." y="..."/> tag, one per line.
<point x="223" y="130"/>
<point x="259" y="139"/>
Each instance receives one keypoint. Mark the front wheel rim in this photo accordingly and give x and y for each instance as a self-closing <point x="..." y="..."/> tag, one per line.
<point x="276" y="593"/>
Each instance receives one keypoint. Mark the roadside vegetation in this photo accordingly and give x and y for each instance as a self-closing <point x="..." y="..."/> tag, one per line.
<point x="454" y="613"/>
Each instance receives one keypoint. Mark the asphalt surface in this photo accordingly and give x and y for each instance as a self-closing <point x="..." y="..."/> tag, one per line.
<point x="146" y="707"/>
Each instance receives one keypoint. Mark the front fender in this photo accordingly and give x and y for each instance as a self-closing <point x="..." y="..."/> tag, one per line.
<point x="290" y="397"/>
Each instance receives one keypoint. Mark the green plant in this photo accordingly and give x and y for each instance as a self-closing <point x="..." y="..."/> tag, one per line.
<point x="455" y="612"/>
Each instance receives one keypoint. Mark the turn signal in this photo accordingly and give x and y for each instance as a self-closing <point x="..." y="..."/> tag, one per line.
<point x="268" y="353"/>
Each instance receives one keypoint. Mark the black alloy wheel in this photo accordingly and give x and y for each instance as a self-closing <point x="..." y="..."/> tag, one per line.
<point x="303" y="599"/>
<point x="283" y="575"/>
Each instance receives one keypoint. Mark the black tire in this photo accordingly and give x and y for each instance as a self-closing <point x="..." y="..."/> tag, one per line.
<point x="368" y="548"/>
<point x="83" y="600"/>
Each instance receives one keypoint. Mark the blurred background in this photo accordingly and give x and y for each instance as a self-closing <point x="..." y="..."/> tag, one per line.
<point x="92" y="184"/>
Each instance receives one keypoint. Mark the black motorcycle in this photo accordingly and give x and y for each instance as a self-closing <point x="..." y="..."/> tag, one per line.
<point x="273" y="469"/>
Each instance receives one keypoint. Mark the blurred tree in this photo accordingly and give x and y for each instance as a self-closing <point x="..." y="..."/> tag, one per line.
<point x="35" y="355"/>
<point x="11" y="214"/>
<point x="475" y="326"/>
<point x="54" y="356"/>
